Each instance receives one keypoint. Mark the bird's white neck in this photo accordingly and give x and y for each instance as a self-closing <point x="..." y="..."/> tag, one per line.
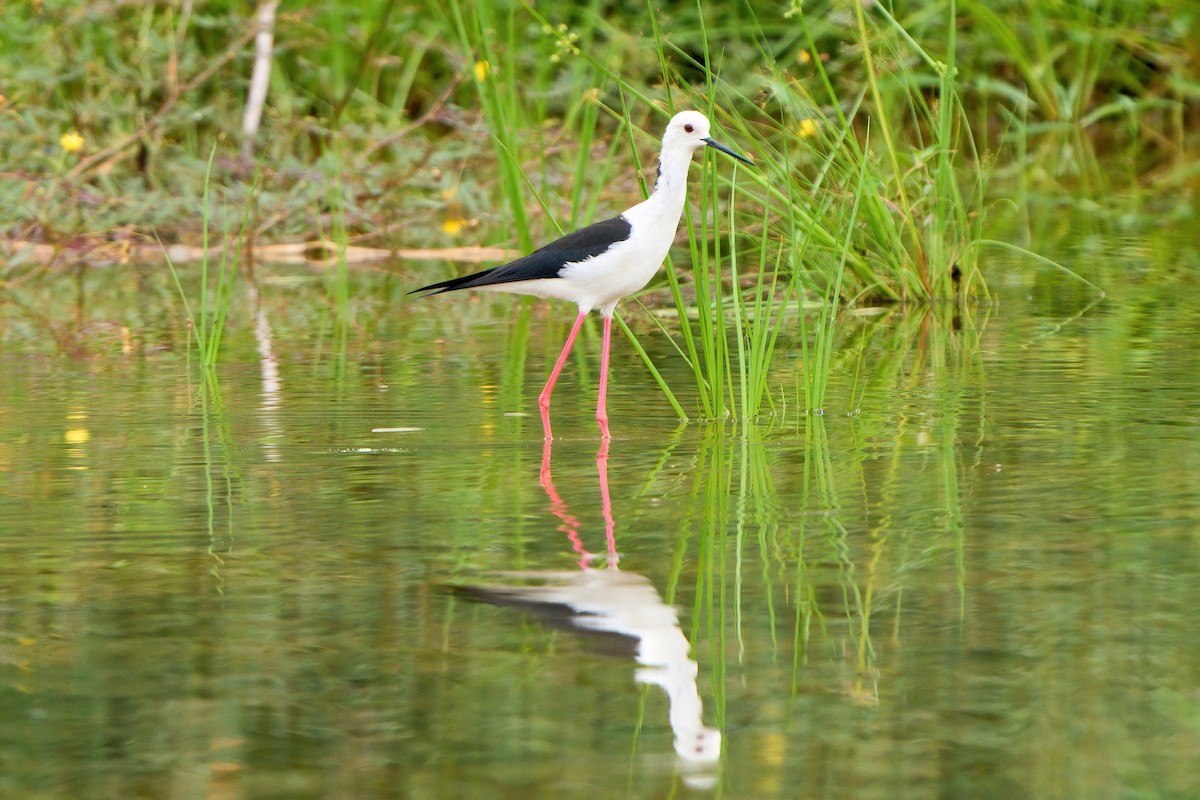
<point x="670" y="190"/>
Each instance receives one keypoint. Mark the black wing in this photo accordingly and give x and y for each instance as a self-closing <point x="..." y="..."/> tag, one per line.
<point x="556" y="616"/>
<point x="545" y="262"/>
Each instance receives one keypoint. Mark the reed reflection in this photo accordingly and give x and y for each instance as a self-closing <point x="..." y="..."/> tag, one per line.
<point x="620" y="607"/>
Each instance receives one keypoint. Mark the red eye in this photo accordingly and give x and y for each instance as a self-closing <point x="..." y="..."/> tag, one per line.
<point x="689" y="127"/>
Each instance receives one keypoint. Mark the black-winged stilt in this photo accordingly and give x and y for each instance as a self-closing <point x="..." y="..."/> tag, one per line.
<point x="596" y="266"/>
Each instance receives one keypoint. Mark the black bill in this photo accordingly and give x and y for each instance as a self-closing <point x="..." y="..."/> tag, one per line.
<point x="727" y="151"/>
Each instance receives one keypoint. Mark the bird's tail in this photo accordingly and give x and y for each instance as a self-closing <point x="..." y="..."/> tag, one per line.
<point x="450" y="285"/>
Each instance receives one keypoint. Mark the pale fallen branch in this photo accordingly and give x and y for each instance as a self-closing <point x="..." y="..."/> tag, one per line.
<point x="103" y="252"/>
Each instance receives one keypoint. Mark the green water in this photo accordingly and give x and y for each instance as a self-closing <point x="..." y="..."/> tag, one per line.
<point x="976" y="575"/>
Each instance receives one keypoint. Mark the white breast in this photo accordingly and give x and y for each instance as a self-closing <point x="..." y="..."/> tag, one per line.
<point x="626" y="267"/>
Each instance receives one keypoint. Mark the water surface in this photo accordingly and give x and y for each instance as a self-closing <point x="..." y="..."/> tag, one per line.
<point x="338" y="568"/>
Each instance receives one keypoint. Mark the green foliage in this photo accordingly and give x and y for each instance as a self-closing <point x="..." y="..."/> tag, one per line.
<point x="396" y="83"/>
<point x="216" y="293"/>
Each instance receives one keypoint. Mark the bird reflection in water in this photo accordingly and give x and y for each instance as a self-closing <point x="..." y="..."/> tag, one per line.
<point x="621" y="607"/>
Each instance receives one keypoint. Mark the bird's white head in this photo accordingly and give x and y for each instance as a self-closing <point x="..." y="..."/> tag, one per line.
<point x="688" y="131"/>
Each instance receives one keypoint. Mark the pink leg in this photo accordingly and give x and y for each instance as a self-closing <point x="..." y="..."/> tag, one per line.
<point x="602" y="402"/>
<point x="606" y="503"/>
<point x="544" y="397"/>
<point x="570" y="523"/>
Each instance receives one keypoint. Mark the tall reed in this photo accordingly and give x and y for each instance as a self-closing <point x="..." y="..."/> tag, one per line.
<point x="216" y="290"/>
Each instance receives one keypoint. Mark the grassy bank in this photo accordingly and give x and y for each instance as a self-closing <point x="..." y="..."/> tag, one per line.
<point x="400" y="91"/>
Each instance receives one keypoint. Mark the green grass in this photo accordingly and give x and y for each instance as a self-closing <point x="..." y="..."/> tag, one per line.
<point x="207" y="323"/>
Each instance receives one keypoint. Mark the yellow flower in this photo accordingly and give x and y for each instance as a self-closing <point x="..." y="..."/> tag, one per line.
<point x="452" y="226"/>
<point x="804" y="57"/>
<point x="482" y="68"/>
<point x="807" y="128"/>
<point x="71" y="142"/>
